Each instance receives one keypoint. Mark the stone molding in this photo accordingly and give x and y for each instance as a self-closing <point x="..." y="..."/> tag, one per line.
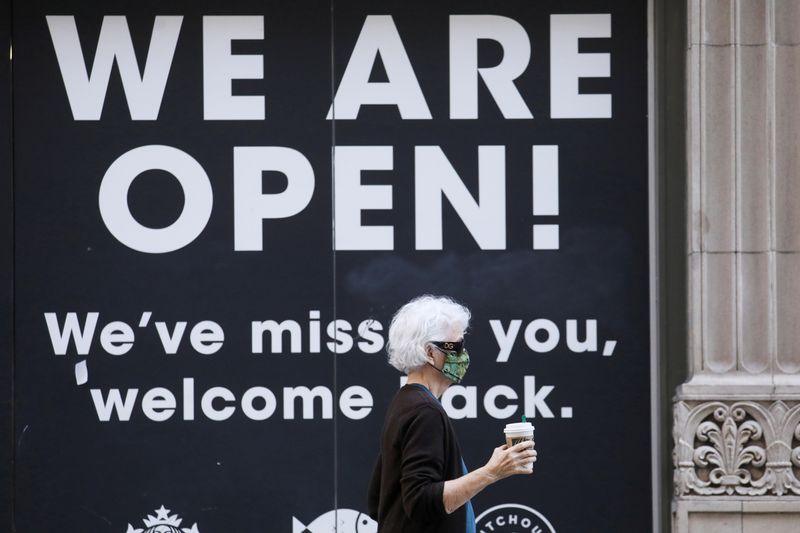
<point x="736" y="448"/>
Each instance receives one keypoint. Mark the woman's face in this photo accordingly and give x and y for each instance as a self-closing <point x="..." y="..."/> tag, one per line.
<point x="438" y="357"/>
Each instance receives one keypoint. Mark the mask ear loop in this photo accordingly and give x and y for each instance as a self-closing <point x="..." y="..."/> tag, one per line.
<point x="429" y="353"/>
<point x="441" y="370"/>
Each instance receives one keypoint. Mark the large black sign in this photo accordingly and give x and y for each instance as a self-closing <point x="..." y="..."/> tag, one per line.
<point x="219" y="206"/>
<point x="6" y="276"/>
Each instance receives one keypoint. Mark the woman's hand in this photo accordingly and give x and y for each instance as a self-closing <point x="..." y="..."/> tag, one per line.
<point x="507" y="461"/>
<point x="504" y="462"/>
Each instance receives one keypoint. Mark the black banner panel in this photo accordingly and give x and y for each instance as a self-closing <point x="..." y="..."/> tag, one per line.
<point x="220" y="205"/>
<point x="6" y="274"/>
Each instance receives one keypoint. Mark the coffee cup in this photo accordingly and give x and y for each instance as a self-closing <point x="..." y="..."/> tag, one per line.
<point x="519" y="432"/>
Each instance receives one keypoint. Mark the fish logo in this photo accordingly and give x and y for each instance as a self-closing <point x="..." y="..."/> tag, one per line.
<point x="337" y="521"/>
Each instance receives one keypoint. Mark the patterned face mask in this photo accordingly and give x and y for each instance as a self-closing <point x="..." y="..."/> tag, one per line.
<point x="456" y="360"/>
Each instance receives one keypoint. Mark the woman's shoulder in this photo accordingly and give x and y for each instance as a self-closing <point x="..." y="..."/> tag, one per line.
<point x="417" y="393"/>
<point x="416" y="400"/>
<point x="414" y="410"/>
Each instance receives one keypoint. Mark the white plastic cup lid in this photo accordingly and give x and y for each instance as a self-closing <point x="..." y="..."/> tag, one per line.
<point x="519" y="427"/>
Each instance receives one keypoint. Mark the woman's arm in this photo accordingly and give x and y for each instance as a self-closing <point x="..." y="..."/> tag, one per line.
<point x="422" y="465"/>
<point x="504" y="462"/>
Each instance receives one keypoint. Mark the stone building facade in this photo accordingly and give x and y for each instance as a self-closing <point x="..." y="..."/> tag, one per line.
<point x="736" y="418"/>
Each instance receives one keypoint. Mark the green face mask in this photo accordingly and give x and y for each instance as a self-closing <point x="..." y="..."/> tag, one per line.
<point x="456" y="360"/>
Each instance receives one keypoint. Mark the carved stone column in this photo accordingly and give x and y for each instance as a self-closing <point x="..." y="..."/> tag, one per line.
<point x="737" y="418"/>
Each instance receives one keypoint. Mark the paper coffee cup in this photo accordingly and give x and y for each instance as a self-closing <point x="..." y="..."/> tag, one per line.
<point x="518" y="432"/>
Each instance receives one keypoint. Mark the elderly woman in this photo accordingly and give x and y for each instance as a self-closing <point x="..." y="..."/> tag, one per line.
<point x="420" y="483"/>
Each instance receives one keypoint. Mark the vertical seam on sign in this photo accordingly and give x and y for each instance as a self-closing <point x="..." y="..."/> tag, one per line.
<point x="654" y="270"/>
<point x="13" y="261"/>
<point x="333" y="277"/>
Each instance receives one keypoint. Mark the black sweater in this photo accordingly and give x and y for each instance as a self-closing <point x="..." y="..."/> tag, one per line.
<point x="419" y="452"/>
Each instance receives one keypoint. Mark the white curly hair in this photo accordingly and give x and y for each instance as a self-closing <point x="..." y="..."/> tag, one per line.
<point x="422" y="320"/>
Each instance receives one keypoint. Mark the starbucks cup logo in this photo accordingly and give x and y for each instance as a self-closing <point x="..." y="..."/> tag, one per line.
<point x="519" y="432"/>
<point x="512" y="518"/>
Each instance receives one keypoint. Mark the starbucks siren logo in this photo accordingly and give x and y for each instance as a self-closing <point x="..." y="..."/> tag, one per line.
<point x="513" y="518"/>
<point x="162" y="523"/>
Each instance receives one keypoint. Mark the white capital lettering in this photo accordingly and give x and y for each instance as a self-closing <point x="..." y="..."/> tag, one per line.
<point x="351" y="197"/>
<point x="251" y="206"/>
<point x="221" y="67"/>
<point x="87" y="92"/>
<point x="379" y="36"/>
<point x="116" y="213"/>
<point x="434" y="177"/>
<point x="567" y="66"/>
<point x="465" y="31"/>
